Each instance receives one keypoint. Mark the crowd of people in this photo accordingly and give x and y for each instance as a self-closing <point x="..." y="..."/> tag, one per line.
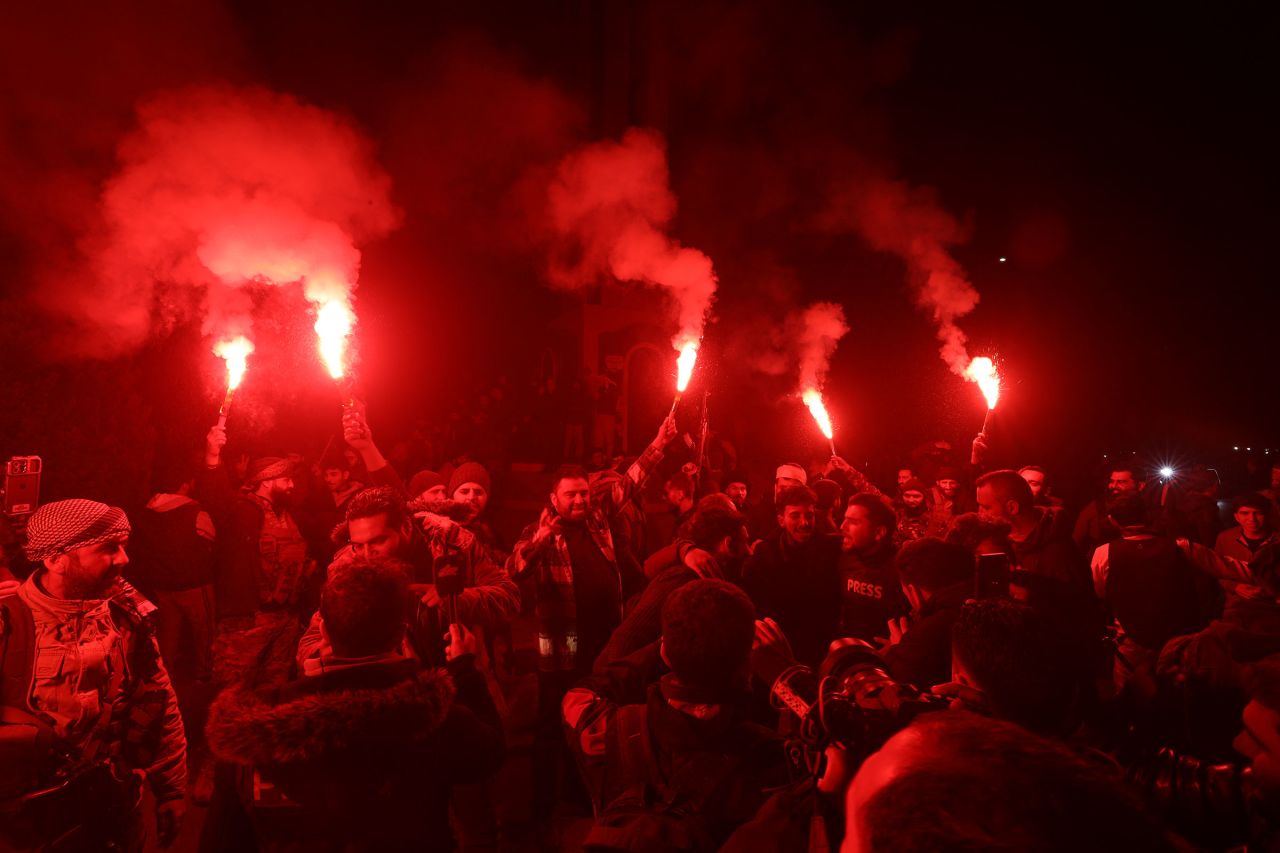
<point x="331" y="657"/>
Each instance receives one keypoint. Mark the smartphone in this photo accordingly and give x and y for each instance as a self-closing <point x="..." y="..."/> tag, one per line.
<point x="21" y="485"/>
<point x="992" y="580"/>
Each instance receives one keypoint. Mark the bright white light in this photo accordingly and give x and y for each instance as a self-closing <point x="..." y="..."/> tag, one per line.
<point x="1002" y="260"/>
<point x="1236" y="448"/>
<point x="1166" y="472"/>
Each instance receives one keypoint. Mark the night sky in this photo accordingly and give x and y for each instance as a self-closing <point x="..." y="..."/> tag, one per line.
<point x="1120" y="163"/>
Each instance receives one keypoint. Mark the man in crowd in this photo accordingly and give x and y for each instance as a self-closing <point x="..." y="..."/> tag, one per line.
<point x="1009" y="662"/>
<point x="764" y="520"/>
<point x="735" y="486"/>
<point x="327" y="505"/>
<point x="1252" y="531"/>
<point x="678" y="491"/>
<point x="916" y="519"/>
<point x="579" y="587"/>
<point x="958" y="781"/>
<point x="686" y="735"/>
<point x="872" y="590"/>
<point x="1038" y="481"/>
<point x="427" y="486"/>
<point x="1040" y="548"/>
<point x="949" y="500"/>
<point x="937" y="578"/>
<point x="830" y="504"/>
<point x="378" y="526"/>
<point x="1093" y="526"/>
<point x="85" y="697"/>
<point x="172" y="559"/>
<point x="905" y="475"/>
<point x="367" y="745"/>
<point x="794" y="577"/>
<point x="716" y="548"/>
<point x="1151" y="587"/>
<point x="263" y="581"/>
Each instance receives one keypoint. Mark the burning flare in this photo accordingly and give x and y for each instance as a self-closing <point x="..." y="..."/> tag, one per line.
<point x="813" y="399"/>
<point x="983" y="371"/>
<point x="334" y="321"/>
<point x="684" y="365"/>
<point x="236" y="353"/>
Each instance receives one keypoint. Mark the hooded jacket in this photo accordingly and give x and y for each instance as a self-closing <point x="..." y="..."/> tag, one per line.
<point x="367" y="751"/>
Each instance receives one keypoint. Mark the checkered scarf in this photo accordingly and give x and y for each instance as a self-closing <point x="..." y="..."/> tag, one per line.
<point x="62" y="526"/>
<point x="266" y="468"/>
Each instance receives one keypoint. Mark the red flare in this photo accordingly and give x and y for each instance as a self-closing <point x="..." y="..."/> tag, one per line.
<point x="983" y="371"/>
<point x="236" y="353"/>
<point x="684" y="365"/>
<point x="334" y="321"/>
<point x="813" y="399"/>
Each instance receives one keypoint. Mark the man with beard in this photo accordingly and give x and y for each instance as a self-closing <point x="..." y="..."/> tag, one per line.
<point x="916" y="519"/>
<point x="872" y="591"/>
<point x="579" y="587"/>
<point x="85" y="699"/>
<point x="326" y="506"/>
<point x="1093" y="525"/>
<point x="378" y="526"/>
<point x="735" y="487"/>
<point x="1038" y="480"/>
<point x="470" y="486"/>
<point x="948" y="498"/>
<point x="793" y="577"/>
<point x="679" y="494"/>
<point x="262" y="577"/>
<point x="1048" y="571"/>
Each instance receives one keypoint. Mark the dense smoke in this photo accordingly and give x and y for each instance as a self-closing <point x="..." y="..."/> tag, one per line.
<point x="218" y="188"/>
<point x="610" y="207"/>
<point x="821" y="326"/>
<point x="909" y="222"/>
<point x="249" y="186"/>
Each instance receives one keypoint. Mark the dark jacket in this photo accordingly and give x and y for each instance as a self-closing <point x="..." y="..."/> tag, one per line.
<point x="167" y="551"/>
<point x="643" y="622"/>
<point x="872" y="592"/>
<point x="799" y="586"/>
<point x="923" y="657"/>
<point x="367" y="753"/>
<point x="591" y="714"/>
<point x="1094" y="527"/>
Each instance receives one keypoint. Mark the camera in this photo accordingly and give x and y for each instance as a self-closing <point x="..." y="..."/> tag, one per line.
<point x="852" y="702"/>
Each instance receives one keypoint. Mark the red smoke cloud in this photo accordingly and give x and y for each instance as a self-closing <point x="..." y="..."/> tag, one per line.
<point x="821" y="326"/>
<point x="610" y="207"/>
<point x="217" y="188"/>
<point x="908" y="221"/>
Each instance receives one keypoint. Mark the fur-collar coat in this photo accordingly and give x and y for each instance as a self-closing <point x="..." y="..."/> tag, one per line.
<point x="367" y="753"/>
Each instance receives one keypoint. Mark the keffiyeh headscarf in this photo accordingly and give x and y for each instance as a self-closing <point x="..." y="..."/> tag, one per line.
<point x="267" y="468"/>
<point x="62" y="526"/>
